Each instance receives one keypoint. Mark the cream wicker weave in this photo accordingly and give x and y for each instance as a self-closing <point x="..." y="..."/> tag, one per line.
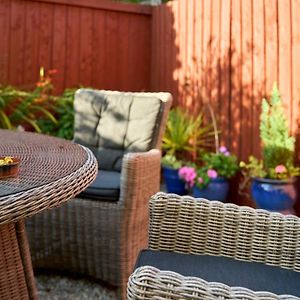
<point x="186" y="225"/>
<point x="102" y="238"/>
<point x="52" y="171"/>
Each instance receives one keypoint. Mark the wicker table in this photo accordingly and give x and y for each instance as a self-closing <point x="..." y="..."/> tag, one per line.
<point x="52" y="171"/>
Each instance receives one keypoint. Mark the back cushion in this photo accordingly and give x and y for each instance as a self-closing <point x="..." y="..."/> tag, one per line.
<point x="114" y="123"/>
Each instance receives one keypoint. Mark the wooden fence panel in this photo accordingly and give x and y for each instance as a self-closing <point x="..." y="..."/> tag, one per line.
<point x="102" y="44"/>
<point x="241" y="48"/>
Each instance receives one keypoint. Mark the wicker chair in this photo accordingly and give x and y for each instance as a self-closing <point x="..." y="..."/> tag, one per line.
<point x="96" y="235"/>
<point x="189" y="227"/>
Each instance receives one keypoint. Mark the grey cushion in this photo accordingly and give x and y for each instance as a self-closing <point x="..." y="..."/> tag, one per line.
<point x="251" y="275"/>
<point x="113" y="123"/>
<point x="106" y="187"/>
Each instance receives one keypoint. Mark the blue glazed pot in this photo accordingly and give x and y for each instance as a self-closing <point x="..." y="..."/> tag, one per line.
<point x="217" y="189"/>
<point x="274" y="195"/>
<point x="173" y="183"/>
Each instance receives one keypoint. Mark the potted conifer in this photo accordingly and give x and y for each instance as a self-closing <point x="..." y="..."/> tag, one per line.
<point x="273" y="176"/>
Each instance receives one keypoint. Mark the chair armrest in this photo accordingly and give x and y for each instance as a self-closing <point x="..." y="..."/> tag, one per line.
<point x="140" y="177"/>
<point x="199" y="226"/>
<point x="151" y="283"/>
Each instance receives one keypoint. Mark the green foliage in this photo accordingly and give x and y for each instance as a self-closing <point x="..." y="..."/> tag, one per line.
<point x="38" y="110"/>
<point x="171" y="161"/>
<point x="185" y="134"/>
<point x="224" y="164"/>
<point x="64" y="112"/>
<point x="213" y="165"/>
<point x="278" y="145"/>
<point x="21" y="108"/>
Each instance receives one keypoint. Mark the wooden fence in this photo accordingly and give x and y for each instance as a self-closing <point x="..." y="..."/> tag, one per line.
<point x="102" y="44"/>
<point x="226" y="53"/>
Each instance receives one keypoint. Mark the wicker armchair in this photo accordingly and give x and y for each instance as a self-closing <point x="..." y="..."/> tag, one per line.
<point x="189" y="227"/>
<point x="95" y="235"/>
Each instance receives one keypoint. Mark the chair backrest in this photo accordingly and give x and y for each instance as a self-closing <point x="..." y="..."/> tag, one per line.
<point x="199" y="226"/>
<point x="113" y="123"/>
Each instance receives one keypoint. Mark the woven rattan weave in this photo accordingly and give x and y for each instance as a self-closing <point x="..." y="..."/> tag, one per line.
<point x="52" y="171"/>
<point x="198" y="226"/>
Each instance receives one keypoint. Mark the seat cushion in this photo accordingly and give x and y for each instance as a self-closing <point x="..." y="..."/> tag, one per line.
<point x="106" y="187"/>
<point x="113" y="123"/>
<point x="251" y="275"/>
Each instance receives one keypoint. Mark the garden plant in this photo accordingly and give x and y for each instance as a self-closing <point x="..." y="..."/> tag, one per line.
<point x="272" y="177"/>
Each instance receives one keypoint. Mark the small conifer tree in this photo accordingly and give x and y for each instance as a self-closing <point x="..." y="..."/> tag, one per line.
<point x="278" y="145"/>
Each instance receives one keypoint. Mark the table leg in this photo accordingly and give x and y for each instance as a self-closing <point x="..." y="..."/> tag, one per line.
<point x="16" y="275"/>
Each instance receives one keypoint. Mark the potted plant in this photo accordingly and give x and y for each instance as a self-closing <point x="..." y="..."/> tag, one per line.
<point x="210" y="180"/>
<point x="184" y="136"/>
<point x="273" y="177"/>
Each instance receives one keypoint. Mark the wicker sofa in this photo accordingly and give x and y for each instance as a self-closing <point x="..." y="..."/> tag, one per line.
<point x="101" y="232"/>
<point x="200" y="249"/>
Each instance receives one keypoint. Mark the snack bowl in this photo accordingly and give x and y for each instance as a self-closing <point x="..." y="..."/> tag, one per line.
<point x="9" y="166"/>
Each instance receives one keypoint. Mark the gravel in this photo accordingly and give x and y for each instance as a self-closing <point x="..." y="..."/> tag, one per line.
<point x="56" y="287"/>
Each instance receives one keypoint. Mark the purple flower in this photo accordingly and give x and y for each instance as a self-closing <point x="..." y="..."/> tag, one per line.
<point x="227" y="153"/>
<point x="211" y="173"/>
<point x="223" y="149"/>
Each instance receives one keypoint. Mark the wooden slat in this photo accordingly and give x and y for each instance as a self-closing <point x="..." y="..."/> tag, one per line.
<point x="154" y="49"/>
<point x="46" y="36"/>
<point x="72" y="47"/>
<point x="284" y="57"/>
<point x="31" y="44"/>
<point x="198" y="100"/>
<point x="206" y="54"/>
<point x="236" y="78"/>
<point x="215" y="61"/>
<point x="225" y="73"/>
<point x="295" y="62"/>
<point x="85" y="46"/>
<point x="171" y="56"/>
<point x="4" y="40"/>
<point x="258" y="72"/>
<point x="271" y="44"/>
<point x="59" y="46"/>
<point x="16" y="47"/>
<point x="246" y="144"/>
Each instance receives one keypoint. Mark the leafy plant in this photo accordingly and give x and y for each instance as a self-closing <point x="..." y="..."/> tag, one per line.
<point x="278" y="146"/>
<point x="220" y="164"/>
<point x="38" y="110"/>
<point x="184" y="135"/>
<point x="21" y="108"/>
<point x="64" y="113"/>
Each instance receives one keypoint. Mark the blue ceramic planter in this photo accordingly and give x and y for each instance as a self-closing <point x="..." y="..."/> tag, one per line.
<point x="173" y="183"/>
<point x="274" y="195"/>
<point x="217" y="189"/>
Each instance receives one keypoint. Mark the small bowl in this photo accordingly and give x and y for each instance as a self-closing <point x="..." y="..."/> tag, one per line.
<point x="11" y="169"/>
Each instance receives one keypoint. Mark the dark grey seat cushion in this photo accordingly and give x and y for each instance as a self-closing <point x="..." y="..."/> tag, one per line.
<point x="251" y="275"/>
<point x="106" y="187"/>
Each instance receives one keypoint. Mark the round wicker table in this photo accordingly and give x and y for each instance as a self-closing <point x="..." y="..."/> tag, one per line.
<point x="51" y="172"/>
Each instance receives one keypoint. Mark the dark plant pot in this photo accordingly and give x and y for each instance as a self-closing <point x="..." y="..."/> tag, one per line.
<point x="274" y="195"/>
<point x="173" y="183"/>
<point x="217" y="189"/>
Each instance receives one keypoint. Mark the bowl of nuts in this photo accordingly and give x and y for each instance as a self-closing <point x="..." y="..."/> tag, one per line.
<point x="9" y="166"/>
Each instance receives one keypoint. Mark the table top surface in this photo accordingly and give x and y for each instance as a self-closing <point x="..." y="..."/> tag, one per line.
<point x="51" y="171"/>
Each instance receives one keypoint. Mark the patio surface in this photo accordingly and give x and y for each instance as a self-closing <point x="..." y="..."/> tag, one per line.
<point x="56" y="287"/>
